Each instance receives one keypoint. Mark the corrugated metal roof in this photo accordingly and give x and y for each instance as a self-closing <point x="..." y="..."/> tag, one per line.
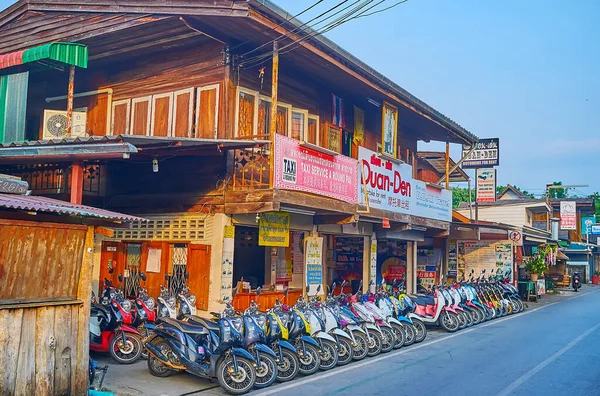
<point x="69" y="53"/>
<point x="49" y="205"/>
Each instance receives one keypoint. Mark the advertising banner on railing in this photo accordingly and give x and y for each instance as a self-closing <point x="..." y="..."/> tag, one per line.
<point x="303" y="169"/>
<point x="390" y="186"/>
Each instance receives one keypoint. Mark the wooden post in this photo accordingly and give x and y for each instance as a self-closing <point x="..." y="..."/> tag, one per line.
<point x="70" y="95"/>
<point x="447" y="165"/>
<point x="273" y="126"/>
<point x="77" y="182"/>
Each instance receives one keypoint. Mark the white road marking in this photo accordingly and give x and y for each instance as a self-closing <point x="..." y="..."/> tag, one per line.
<point x="522" y="379"/>
<point x="353" y="366"/>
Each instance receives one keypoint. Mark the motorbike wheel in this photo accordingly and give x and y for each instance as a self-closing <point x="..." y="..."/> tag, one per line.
<point x="462" y="320"/>
<point x="91" y="372"/>
<point x="266" y="371"/>
<point x="361" y="349"/>
<point x="449" y="321"/>
<point x="469" y="318"/>
<point x="420" y="330"/>
<point x="477" y="316"/>
<point x="155" y="366"/>
<point x="329" y="356"/>
<point x="344" y="351"/>
<point x="232" y="383"/>
<point x="128" y="353"/>
<point x="399" y="335"/>
<point x="309" y="363"/>
<point x="375" y="343"/>
<point x="388" y="340"/>
<point x="288" y="366"/>
<point x="410" y="334"/>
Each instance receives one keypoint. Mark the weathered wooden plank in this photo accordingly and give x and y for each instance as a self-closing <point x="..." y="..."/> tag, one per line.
<point x="5" y="336"/>
<point x="9" y="354"/>
<point x="45" y="342"/>
<point x="63" y="354"/>
<point x="77" y="323"/>
<point x="244" y="208"/>
<point x="313" y="201"/>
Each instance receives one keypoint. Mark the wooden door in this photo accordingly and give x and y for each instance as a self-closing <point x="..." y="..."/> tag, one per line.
<point x="198" y="267"/>
<point x="155" y="279"/>
<point x="111" y="256"/>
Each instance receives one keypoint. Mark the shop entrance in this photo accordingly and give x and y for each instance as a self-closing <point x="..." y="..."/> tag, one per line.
<point x="391" y="260"/>
<point x="249" y="258"/>
<point x="345" y="260"/>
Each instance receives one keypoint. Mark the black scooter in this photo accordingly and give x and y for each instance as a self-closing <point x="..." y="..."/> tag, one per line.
<point x="205" y="349"/>
<point x="576" y="281"/>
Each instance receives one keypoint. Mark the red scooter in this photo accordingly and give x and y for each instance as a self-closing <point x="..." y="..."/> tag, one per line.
<point x="107" y="331"/>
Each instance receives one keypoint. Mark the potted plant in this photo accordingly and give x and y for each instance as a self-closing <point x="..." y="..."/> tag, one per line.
<point x="595" y="277"/>
<point x="536" y="265"/>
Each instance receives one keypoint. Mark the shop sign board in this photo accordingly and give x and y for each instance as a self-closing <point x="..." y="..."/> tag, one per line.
<point x="274" y="229"/>
<point x="488" y="255"/>
<point x="516" y="237"/>
<point x="314" y="264"/>
<point x="373" y="265"/>
<point x="568" y="215"/>
<point x="595" y="229"/>
<point x="486" y="185"/>
<point x="485" y="155"/>
<point x="587" y="222"/>
<point x="390" y="186"/>
<point x="227" y="263"/>
<point x="301" y="168"/>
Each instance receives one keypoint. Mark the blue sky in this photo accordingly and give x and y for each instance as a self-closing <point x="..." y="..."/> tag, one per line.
<point x="527" y="72"/>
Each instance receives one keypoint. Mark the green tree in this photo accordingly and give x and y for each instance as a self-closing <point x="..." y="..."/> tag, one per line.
<point x="499" y="189"/>
<point x="459" y="195"/>
<point x="556" y="193"/>
<point x="596" y="197"/>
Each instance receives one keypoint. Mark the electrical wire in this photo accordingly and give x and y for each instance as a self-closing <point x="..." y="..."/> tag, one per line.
<point x="382" y="10"/>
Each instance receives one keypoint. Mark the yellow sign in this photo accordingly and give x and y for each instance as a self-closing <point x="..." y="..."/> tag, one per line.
<point x="274" y="229"/>
<point x="359" y="126"/>
<point x="229" y="232"/>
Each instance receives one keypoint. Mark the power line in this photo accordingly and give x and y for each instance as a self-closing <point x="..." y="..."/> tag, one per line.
<point x="382" y="10"/>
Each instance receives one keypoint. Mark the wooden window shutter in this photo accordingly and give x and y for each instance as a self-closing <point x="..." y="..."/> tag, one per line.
<point x="120" y="117"/>
<point x="162" y="113"/>
<point x="140" y="116"/>
<point x="207" y="112"/>
<point x="183" y="102"/>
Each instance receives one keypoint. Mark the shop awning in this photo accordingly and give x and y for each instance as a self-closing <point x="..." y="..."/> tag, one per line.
<point x="561" y="256"/>
<point x="69" y="53"/>
<point x="577" y="263"/>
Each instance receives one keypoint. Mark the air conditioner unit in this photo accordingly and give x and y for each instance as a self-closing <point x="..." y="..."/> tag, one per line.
<point x="55" y="124"/>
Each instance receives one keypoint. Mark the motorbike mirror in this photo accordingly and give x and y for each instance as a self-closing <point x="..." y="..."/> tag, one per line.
<point x="371" y="283"/>
<point x="121" y="278"/>
<point x="111" y="270"/>
<point x="143" y="276"/>
<point x="343" y="284"/>
<point x="307" y="288"/>
<point x="318" y="289"/>
<point x="472" y="271"/>
<point x="187" y="275"/>
<point x="258" y="291"/>
<point x="166" y="277"/>
<point x="234" y="292"/>
<point x="285" y="292"/>
<point x="333" y="286"/>
<point x="483" y="271"/>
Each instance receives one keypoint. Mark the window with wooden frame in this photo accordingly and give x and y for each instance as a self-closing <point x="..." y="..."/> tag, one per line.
<point x="246" y="115"/>
<point x="299" y="124"/>
<point x="140" y="116"/>
<point x="162" y="114"/>
<point x="120" y="117"/>
<point x="312" y="135"/>
<point x="207" y="112"/>
<point x="264" y="117"/>
<point x="183" y="105"/>
<point x="332" y="137"/>
<point x="284" y="119"/>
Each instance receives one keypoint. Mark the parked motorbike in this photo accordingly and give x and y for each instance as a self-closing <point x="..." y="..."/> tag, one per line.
<point x="144" y="308"/>
<point x="436" y="309"/>
<point x="107" y="331"/>
<point x="205" y="349"/>
<point x="350" y="324"/>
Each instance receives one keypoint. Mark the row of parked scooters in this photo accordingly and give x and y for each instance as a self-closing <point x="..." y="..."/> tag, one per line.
<point x="253" y="349"/>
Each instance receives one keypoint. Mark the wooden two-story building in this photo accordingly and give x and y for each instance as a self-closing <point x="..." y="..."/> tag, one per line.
<point x="169" y="110"/>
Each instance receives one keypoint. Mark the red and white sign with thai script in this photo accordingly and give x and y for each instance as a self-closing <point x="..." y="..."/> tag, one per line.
<point x="568" y="215"/>
<point x="303" y="169"/>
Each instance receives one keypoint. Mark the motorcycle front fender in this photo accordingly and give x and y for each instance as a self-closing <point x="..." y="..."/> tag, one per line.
<point x="371" y="326"/>
<point x="128" y="329"/>
<point x="150" y="326"/>
<point x="265" y="349"/>
<point x="450" y="309"/>
<point x="243" y="353"/>
<point x="341" y="333"/>
<point x="356" y="328"/>
<point x="405" y="319"/>
<point x="288" y="346"/>
<point x="324" y="336"/>
<point x="394" y="321"/>
<point x="308" y="340"/>
<point x="413" y="315"/>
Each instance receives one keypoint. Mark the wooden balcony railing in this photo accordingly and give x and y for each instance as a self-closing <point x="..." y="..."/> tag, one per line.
<point x="251" y="168"/>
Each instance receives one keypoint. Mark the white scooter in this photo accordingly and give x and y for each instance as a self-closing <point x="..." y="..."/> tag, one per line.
<point x="344" y="341"/>
<point x="440" y="312"/>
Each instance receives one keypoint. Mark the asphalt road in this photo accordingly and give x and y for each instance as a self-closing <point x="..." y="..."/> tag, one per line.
<point x="551" y="349"/>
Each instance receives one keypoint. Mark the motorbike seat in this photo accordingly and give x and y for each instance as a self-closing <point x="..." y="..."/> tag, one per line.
<point x="100" y="309"/>
<point x="428" y="300"/>
<point x="209" y="324"/>
<point x="189" y="328"/>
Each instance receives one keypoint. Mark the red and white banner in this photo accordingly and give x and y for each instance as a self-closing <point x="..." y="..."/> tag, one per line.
<point x="568" y="215"/>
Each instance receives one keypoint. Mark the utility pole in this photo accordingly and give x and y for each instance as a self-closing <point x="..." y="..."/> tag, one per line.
<point x="447" y="165"/>
<point x="273" y="126"/>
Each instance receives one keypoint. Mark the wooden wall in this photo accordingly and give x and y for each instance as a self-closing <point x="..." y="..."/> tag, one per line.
<point x="44" y="342"/>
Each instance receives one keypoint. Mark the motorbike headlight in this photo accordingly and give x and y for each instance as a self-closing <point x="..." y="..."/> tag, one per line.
<point x="105" y="300"/>
<point x="150" y="303"/>
<point x="126" y="305"/>
<point x="171" y="301"/>
<point x="237" y="324"/>
<point x="260" y="320"/>
<point x="113" y="295"/>
<point x="192" y="299"/>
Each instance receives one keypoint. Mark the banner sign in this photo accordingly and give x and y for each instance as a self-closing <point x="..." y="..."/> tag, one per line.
<point x="568" y="215"/>
<point x="486" y="185"/>
<point x="485" y="155"/>
<point x="587" y="222"/>
<point x="274" y="229"/>
<point x="227" y="263"/>
<point x="314" y="264"/>
<point x="595" y="229"/>
<point x="390" y="186"/>
<point x="488" y="255"/>
<point x="300" y="168"/>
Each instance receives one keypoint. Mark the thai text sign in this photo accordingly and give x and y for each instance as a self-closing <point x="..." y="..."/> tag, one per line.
<point x="568" y="215"/>
<point x="390" y="186"/>
<point x="274" y="229"/>
<point x="303" y="169"/>
<point x="486" y="185"/>
<point x="314" y="263"/>
<point x="485" y="155"/>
